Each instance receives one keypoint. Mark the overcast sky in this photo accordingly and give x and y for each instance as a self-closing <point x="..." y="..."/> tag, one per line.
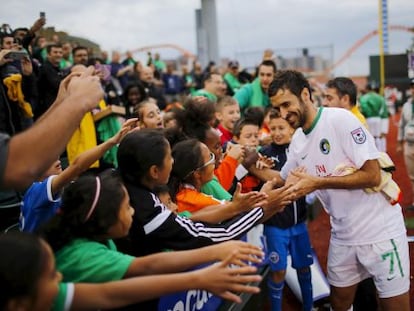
<point x="246" y="27"/>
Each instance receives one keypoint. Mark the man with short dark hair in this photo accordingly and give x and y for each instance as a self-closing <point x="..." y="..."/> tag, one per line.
<point x="50" y="76"/>
<point x="332" y="154"/>
<point x="80" y="56"/>
<point x="341" y="92"/>
<point x="255" y="94"/>
<point x="214" y="87"/>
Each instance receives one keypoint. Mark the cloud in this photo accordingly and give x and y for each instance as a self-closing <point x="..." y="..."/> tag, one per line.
<point x="244" y="26"/>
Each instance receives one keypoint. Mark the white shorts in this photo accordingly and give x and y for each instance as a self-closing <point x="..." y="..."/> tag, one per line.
<point x="387" y="262"/>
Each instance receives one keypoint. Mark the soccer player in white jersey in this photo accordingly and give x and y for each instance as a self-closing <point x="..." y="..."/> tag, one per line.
<point x="333" y="154"/>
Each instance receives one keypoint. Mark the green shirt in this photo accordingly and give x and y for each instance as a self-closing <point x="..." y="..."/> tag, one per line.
<point x="208" y="95"/>
<point x="252" y="95"/>
<point x="63" y="300"/>
<point x="215" y="189"/>
<point x="89" y="261"/>
<point x="232" y="81"/>
<point x="373" y="105"/>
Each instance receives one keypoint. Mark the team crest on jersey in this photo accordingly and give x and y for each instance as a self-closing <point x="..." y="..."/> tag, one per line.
<point x="274" y="257"/>
<point x="359" y="135"/>
<point x="325" y="146"/>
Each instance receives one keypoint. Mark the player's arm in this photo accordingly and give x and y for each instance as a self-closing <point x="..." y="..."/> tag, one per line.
<point x="368" y="176"/>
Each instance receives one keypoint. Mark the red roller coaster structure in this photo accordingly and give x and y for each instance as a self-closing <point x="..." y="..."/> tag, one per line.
<point x="364" y="39"/>
<point x="347" y="54"/>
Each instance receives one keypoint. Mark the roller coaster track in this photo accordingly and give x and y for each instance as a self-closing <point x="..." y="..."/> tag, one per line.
<point x="364" y="39"/>
<point x="347" y="54"/>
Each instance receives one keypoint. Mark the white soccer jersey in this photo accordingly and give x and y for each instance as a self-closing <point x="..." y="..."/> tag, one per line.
<point x="338" y="138"/>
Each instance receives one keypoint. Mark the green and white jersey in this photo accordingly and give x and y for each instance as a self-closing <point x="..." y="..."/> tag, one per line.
<point x="337" y="139"/>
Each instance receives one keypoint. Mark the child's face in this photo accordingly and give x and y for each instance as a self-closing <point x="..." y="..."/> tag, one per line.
<point x="249" y="136"/>
<point x="48" y="284"/>
<point x="214" y="144"/>
<point x="134" y="97"/>
<point x="121" y="227"/>
<point x="151" y="116"/>
<point x="229" y="116"/>
<point x="165" y="199"/>
<point x="281" y="131"/>
<point x="207" y="171"/>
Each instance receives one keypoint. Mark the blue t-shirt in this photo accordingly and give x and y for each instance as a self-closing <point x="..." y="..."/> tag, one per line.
<point x="39" y="205"/>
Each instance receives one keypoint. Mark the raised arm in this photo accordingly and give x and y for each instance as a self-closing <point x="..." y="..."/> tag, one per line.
<point x="83" y="161"/>
<point x="32" y="151"/>
<point x="169" y="262"/>
<point x="219" y="279"/>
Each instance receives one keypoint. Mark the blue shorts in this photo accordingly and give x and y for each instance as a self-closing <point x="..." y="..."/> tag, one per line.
<point x="293" y="241"/>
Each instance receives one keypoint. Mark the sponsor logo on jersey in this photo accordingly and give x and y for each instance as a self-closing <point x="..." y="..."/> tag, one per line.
<point x="359" y="135"/>
<point x="324" y="146"/>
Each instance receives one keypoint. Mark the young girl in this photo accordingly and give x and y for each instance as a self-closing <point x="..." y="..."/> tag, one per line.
<point x="134" y="93"/>
<point x="145" y="162"/>
<point x="149" y="114"/>
<point x="193" y="167"/>
<point x="96" y="210"/>
<point x="30" y="282"/>
<point x="286" y="232"/>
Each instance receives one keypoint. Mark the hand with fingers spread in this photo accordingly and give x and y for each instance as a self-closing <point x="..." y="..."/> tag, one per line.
<point x="278" y="199"/>
<point x="264" y="162"/>
<point x="128" y="126"/>
<point x="246" y="201"/>
<point x="246" y="252"/>
<point x="225" y="281"/>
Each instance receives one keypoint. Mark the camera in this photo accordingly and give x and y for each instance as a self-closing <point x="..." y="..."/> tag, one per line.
<point x="16" y="55"/>
<point x="42" y="15"/>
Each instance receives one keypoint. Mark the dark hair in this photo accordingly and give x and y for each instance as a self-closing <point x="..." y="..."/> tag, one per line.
<point x="208" y="76"/>
<point x="344" y="86"/>
<point x="274" y="114"/>
<point x="255" y="114"/>
<point x="49" y="47"/>
<point x="161" y="189"/>
<point x="72" y="221"/>
<point x="269" y="63"/>
<point x="194" y="120"/>
<point x="141" y="90"/>
<point x="291" y="80"/>
<point x="187" y="158"/>
<point x="140" y="150"/>
<point x="240" y="124"/>
<point x="78" y="48"/>
<point x="23" y="260"/>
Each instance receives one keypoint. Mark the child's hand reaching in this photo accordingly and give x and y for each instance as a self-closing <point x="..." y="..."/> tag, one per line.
<point x="224" y="281"/>
<point x="246" y="252"/>
<point x="249" y="200"/>
<point x="264" y="162"/>
<point x="128" y="126"/>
